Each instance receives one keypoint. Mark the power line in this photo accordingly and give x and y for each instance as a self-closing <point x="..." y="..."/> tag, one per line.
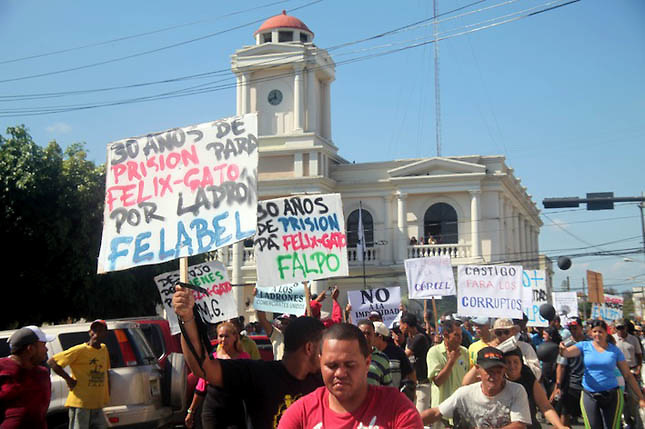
<point x="227" y="70"/>
<point x="175" y="94"/>
<point x="138" y="35"/>
<point x="151" y="51"/>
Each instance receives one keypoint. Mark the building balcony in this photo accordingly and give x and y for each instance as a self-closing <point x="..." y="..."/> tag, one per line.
<point x="374" y="256"/>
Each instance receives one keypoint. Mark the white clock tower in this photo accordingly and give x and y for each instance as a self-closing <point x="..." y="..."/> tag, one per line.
<point x="286" y="79"/>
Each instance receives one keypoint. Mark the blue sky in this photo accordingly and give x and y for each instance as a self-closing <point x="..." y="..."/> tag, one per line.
<point x="561" y="94"/>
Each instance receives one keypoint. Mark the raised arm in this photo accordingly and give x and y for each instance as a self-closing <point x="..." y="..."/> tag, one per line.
<point x="183" y="303"/>
<point x="569" y="352"/>
<point x="262" y="318"/>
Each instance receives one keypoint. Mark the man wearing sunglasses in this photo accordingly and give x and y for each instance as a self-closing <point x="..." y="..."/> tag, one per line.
<point x="629" y="345"/>
<point x="505" y="333"/>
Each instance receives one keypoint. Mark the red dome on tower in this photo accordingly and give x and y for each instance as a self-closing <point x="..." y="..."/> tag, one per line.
<point x="283" y="21"/>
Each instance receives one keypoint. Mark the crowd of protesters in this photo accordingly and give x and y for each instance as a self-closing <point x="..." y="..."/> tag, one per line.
<point x="328" y="373"/>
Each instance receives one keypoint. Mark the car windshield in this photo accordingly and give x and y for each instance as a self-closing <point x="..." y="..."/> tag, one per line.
<point x="146" y="354"/>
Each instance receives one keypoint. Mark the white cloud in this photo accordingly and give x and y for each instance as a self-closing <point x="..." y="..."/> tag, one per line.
<point x="59" y="128"/>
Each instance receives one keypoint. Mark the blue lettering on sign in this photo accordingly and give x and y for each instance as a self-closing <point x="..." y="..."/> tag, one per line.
<point x="431" y="285"/>
<point x="533" y="313"/>
<point x="528" y="281"/>
<point x="197" y="233"/>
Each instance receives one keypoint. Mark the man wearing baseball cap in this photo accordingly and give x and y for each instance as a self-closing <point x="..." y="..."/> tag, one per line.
<point x="493" y="402"/>
<point x="88" y="385"/>
<point x="25" y="387"/>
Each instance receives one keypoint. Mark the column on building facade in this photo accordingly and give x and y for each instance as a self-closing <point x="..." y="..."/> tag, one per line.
<point x="501" y="247"/>
<point x="528" y="252"/>
<point x="298" y="91"/>
<point x="522" y="237"/>
<point x="388" y="230"/>
<point x="238" y="94"/>
<point x="244" y="93"/>
<point x="475" y="243"/>
<point x="508" y="221"/>
<point x="314" y="161"/>
<point x="298" y="165"/>
<point x="402" y="226"/>
<point x="312" y="101"/>
<point x="326" y="110"/>
<point x="517" y="250"/>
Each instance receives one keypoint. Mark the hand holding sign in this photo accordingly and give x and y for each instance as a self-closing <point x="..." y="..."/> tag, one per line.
<point x="183" y="303"/>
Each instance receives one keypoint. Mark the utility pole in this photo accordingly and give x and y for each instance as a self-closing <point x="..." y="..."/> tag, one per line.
<point x="437" y="92"/>
<point x="584" y="300"/>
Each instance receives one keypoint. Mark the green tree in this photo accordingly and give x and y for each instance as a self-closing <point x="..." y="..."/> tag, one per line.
<point x="52" y="211"/>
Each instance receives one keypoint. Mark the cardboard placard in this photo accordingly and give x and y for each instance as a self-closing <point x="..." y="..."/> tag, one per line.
<point x="179" y="193"/>
<point x="300" y="238"/>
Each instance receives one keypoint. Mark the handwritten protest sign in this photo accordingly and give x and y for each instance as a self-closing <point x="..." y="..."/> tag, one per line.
<point x="428" y="277"/>
<point x="220" y="303"/>
<point x="179" y="193"/>
<point x="611" y="310"/>
<point x="566" y="306"/>
<point x="534" y="294"/>
<point x="289" y="298"/>
<point x="300" y="238"/>
<point x="490" y="291"/>
<point x="384" y="300"/>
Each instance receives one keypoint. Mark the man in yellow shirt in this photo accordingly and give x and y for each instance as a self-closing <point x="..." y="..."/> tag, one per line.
<point x="89" y="389"/>
<point x="482" y="329"/>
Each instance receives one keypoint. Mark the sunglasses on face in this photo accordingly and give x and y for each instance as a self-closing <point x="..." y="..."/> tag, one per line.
<point x="502" y="332"/>
<point x="620" y="328"/>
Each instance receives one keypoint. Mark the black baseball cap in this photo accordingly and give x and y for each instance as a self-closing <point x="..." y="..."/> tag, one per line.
<point x="489" y="357"/>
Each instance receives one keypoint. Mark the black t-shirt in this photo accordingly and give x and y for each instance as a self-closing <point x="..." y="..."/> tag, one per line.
<point x="527" y="379"/>
<point x="576" y="369"/>
<point x="419" y="345"/>
<point x="395" y="352"/>
<point x="267" y="388"/>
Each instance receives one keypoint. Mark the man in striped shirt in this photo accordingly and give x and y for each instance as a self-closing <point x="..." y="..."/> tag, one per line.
<point x="379" y="372"/>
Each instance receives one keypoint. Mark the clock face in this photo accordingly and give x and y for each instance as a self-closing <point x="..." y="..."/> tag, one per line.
<point x="275" y="97"/>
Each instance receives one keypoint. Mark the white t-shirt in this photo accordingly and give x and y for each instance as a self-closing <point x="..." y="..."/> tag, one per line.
<point x="277" y="341"/>
<point x="470" y="408"/>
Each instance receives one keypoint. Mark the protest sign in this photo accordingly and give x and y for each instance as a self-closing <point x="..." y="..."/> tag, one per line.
<point x="384" y="300"/>
<point x="611" y="310"/>
<point x="428" y="277"/>
<point x="220" y="303"/>
<point x="179" y="193"/>
<point x="596" y="290"/>
<point x="566" y="306"/>
<point x="300" y="238"/>
<point x="534" y="294"/>
<point x="490" y="291"/>
<point x="289" y="298"/>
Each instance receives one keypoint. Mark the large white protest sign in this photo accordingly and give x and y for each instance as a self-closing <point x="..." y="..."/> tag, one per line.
<point x="384" y="300"/>
<point x="611" y="310"/>
<point x="220" y="303"/>
<point x="428" y="277"/>
<point x="179" y="193"/>
<point x="566" y="306"/>
<point x="490" y="291"/>
<point x="289" y="298"/>
<point x="534" y="294"/>
<point x="300" y="238"/>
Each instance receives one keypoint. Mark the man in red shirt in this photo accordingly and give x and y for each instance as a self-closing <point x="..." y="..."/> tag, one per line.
<point x="346" y="400"/>
<point x="25" y="387"/>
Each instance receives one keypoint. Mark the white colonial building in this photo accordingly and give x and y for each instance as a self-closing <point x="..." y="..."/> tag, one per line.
<point x="473" y="207"/>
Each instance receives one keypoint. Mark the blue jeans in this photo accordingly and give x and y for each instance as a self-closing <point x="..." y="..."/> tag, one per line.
<point x="84" y="418"/>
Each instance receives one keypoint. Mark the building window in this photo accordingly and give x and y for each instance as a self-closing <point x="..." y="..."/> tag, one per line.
<point x="352" y="228"/>
<point x="304" y="38"/>
<point x="285" y="36"/>
<point x="440" y="224"/>
<point x="266" y="38"/>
